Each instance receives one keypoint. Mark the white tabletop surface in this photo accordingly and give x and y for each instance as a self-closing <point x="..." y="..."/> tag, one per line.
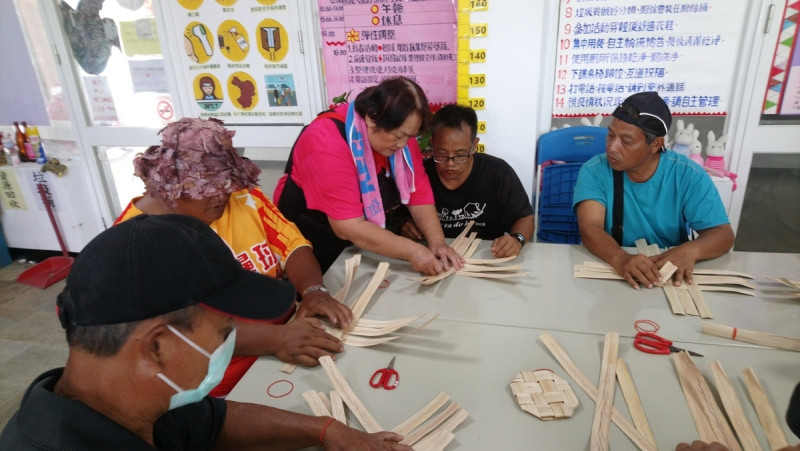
<point x="551" y="298"/>
<point x="474" y="363"/>
<point x="488" y="330"/>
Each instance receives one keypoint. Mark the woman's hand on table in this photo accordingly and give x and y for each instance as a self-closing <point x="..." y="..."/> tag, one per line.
<point x="304" y="341"/>
<point x="448" y="256"/>
<point x="320" y="303"/>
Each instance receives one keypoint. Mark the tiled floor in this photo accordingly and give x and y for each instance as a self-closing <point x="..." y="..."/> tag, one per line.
<point x="31" y="338"/>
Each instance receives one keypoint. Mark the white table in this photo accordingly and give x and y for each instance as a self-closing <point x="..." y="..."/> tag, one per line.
<point x="488" y="331"/>
<point x="551" y="298"/>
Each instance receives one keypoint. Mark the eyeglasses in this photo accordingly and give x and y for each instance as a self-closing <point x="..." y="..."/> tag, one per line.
<point x="458" y="159"/>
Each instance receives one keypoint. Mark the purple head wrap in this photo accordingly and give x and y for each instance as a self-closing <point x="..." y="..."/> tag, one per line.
<point x="196" y="159"/>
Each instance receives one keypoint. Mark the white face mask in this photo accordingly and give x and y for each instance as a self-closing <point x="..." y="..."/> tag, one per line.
<point x="218" y="362"/>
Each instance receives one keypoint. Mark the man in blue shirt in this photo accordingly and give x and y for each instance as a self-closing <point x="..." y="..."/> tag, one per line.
<point x="663" y="192"/>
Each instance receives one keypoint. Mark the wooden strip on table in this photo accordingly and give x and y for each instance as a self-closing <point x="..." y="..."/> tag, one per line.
<point x="734" y="409"/>
<point x="337" y="407"/>
<point x="417" y="434"/>
<point x="764" y="411"/>
<point x="315" y="403"/>
<point x="368" y="422"/>
<point x="699" y="301"/>
<point x="749" y="336"/>
<point x="588" y="387"/>
<point x="360" y="304"/>
<point x="711" y="424"/>
<point x="674" y="300"/>
<point x="687" y="302"/>
<point x="631" y="396"/>
<point x="423" y="414"/>
<point x="601" y="423"/>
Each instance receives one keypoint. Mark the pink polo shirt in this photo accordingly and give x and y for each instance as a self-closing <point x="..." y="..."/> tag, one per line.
<point x="323" y="168"/>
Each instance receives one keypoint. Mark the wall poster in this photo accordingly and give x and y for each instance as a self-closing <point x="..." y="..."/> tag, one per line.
<point x="782" y="96"/>
<point x="240" y="60"/>
<point x="610" y="50"/>
<point x="365" y="43"/>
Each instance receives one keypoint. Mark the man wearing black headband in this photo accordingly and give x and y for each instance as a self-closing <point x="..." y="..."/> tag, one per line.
<point x="660" y="193"/>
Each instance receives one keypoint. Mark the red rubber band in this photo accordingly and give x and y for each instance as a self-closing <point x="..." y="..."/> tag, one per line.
<point x="384" y="284"/>
<point x="325" y="428"/>
<point x="285" y="394"/>
<point x="735" y="330"/>
<point x="649" y="322"/>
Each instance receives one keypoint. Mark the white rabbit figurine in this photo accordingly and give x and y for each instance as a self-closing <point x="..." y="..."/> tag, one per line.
<point x="696" y="149"/>
<point x="715" y="160"/>
<point x="684" y="138"/>
<point x="595" y="122"/>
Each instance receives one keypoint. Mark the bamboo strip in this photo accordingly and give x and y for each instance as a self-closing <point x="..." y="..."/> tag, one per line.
<point x="483" y="275"/>
<point x="721" y="272"/>
<point x="699" y="301"/>
<point x="687" y="302"/>
<point x="591" y="391"/>
<point x="435" y="442"/>
<point x="472" y="247"/>
<point x="489" y="261"/>
<point x="423" y="430"/>
<point x="595" y="275"/>
<point x="789" y="283"/>
<point x="377" y="330"/>
<point x="440" y="437"/>
<point x="708" y="417"/>
<point x="423" y="414"/>
<point x="460" y="244"/>
<point x="366" y="419"/>
<point x="764" y="411"/>
<point x="722" y="280"/>
<point x="734" y="409"/>
<point x="653" y="250"/>
<point x="667" y="270"/>
<point x="635" y="407"/>
<point x="369" y="323"/>
<point x="641" y="247"/>
<point x="749" y="336"/>
<point x="355" y="340"/>
<point x="360" y="304"/>
<point x="674" y="300"/>
<point x="316" y="405"/>
<point x="727" y="289"/>
<point x="351" y="268"/>
<point x="337" y="407"/>
<point x="482" y="268"/>
<point x="601" y="424"/>
<point x="325" y="401"/>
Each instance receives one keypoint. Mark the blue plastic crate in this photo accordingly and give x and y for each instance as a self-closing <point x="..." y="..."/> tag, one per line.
<point x="557" y="218"/>
<point x="558" y="182"/>
<point x="560" y="237"/>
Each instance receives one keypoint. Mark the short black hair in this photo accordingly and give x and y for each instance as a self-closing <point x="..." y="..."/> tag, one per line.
<point x="391" y="102"/>
<point x="106" y="340"/>
<point x="452" y="116"/>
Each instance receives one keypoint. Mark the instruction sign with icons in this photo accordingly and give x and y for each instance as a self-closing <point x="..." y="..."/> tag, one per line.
<point x="241" y="60"/>
<point x="365" y="43"/>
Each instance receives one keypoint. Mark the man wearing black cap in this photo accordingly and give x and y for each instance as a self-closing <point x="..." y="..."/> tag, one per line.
<point x="637" y="189"/>
<point x="148" y="310"/>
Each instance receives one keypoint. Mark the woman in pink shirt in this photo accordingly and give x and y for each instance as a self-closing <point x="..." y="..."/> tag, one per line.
<point x="354" y="164"/>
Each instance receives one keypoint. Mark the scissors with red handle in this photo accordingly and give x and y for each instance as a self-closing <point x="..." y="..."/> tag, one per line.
<point x="385" y="377"/>
<point x="653" y="344"/>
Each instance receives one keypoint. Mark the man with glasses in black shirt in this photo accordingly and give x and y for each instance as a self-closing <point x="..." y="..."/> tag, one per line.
<point x="473" y="186"/>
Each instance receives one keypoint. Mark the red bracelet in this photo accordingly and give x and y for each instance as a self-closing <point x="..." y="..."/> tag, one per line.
<point x="325" y="428"/>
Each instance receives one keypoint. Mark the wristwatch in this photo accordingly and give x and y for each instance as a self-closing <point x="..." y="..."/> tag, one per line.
<point x="314" y="288"/>
<point x="519" y="237"/>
